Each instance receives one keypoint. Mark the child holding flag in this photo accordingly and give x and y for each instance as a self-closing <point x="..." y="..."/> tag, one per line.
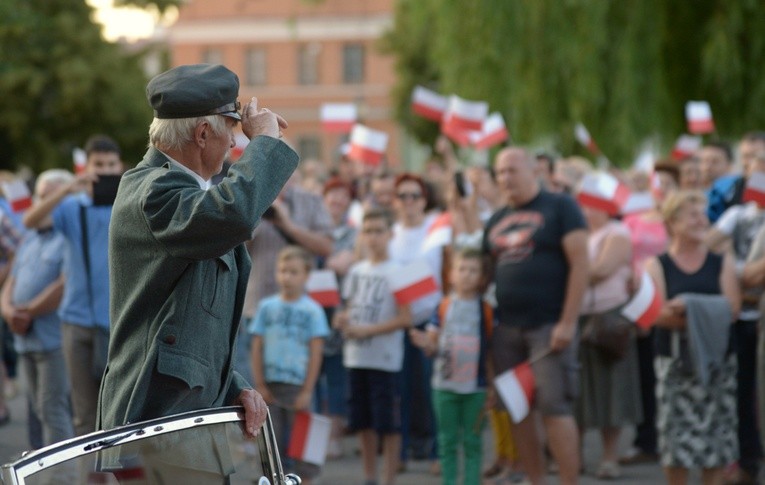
<point x="373" y="352"/>
<point x="458" y="337"/>
<point x="288" y="333"/>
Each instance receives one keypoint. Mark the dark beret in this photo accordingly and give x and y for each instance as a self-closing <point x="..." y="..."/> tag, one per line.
<point x="194" y="90"/>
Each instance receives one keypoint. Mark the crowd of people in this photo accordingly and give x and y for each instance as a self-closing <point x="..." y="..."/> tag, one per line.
<point x="528" y="269"/>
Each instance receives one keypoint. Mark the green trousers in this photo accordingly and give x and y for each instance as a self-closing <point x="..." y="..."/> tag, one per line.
<point x="459" y="418"/>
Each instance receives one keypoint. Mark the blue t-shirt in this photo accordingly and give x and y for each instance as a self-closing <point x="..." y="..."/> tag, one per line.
<point x="79" y="305"/>
<point x="38" y="263"/>
<point x="287" y="328"/>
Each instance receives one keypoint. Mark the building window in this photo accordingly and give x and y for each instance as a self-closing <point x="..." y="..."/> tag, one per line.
<point x="353" y="63"/>
<point x="255" y="63"/>
<point x="309" y="147"/>
<point x="212" y="55"/>
<point x="308" y="63"/>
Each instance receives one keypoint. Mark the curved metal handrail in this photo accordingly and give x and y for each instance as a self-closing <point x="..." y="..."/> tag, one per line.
<point x="15" y="473"/>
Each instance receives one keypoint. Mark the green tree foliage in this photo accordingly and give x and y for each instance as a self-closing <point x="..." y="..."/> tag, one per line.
<point x="61" y="82"/>
<point x="625" y="69"/>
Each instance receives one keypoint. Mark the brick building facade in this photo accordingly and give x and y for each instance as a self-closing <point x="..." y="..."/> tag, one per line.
<point x="295" y="55"/>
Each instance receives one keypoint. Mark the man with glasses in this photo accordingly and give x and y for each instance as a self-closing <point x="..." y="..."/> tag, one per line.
<point x="178" y="265"/>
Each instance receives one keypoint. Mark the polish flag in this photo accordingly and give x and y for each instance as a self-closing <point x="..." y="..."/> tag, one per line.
<point x="338" y="117"/>
<point x="583" y="137"/>
<point x="241" y="142"/>
<point x="428" y="104"/>
<point x="322" y="287"/>
<point x="755" y="189"/>
<point x="455" y="131"/>
<point x="638" y="202"/>
<point x="467" y="115"/>
<point x="439" y="233"/>
<point x="601" y="190"/>
<point x="367" y="145"/>
<point x="698" y="114"/>
<point x="309" y="438"/>
<point x="80" y="159"/>
<point x="17" y="194"/>
<point x="646" y="304"/>
<point x="413" y="282"/>
<point x="685" y="146"/>
<point x="516" y="388"/>
<point x="492" y="133"/>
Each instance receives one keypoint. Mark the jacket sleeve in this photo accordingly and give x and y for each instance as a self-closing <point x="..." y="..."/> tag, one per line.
<point x="196" y="224"/>
<point x="237" y="385"/>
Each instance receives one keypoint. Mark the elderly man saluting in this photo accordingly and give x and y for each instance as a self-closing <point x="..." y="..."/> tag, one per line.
<point x="178" y="268"/>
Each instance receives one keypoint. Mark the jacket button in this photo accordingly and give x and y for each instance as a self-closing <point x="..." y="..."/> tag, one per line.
<point x="170" y="339"/>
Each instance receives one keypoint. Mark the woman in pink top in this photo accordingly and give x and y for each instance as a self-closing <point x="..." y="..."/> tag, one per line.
<point x="610" y="392"/>
<point x="649" y="238"/>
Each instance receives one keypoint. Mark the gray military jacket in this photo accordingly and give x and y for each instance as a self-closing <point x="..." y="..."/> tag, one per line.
<point x="178" y="273"/>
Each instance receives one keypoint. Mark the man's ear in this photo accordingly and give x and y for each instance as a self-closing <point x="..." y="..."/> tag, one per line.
<point x="201" y="132"/>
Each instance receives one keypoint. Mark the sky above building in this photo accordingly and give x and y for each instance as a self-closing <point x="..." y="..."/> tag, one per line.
<point x="127" y="22"/>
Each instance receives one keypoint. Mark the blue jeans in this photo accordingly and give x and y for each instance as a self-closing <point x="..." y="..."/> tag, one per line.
<point x="332" y="387"/>
<point x="48" y="391"/>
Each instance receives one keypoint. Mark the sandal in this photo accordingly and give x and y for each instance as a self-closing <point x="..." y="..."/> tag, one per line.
<point x="608" y="470"/>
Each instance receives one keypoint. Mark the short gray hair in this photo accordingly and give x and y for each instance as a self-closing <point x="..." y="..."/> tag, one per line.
<point x="54" y="175"/>
<point x="172" y="134"/>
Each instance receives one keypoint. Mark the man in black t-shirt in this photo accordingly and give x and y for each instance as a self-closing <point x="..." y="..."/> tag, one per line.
<point x="538" y="244"/>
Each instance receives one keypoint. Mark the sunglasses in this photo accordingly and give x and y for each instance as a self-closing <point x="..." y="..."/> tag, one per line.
<point x="408" y="196"/>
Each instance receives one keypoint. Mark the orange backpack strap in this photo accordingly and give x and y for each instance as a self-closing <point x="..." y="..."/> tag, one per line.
<point x="442" y="308"/>
<point x="488" y="318"/>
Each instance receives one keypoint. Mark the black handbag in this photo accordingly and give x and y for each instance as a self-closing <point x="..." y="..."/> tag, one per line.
<point x="610" y="332"/>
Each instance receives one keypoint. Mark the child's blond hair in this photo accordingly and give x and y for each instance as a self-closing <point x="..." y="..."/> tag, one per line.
<point x="296" y="252"/>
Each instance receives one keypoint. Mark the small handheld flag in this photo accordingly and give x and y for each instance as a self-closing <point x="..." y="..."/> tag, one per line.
<point x="18" y="195"/>
<point x="646" y="304"/>
<point x="413" y="282"/>
<point x="322" y="287"/>
<point x="516" y="388"/>
<point x="367" y="145"/>
<point x="338" y="117"/>
<point x="428" y="104"/>
<point x="698" y="114"/>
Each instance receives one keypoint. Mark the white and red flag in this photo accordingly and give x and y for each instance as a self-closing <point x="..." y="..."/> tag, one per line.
<point x="638" y="202"/>
<point x="413" y="282"/>
<point x="439" y="233"/>
<point x="309" y="438"/>
<point x="367" y="146"/>
<point x="338" y="117"/>
<point x="516" y="388"/>
<point x="322" y="287"/>
<point x="583" y="136"/>
<point x="601" y="190"/>
<point x="455" y="132"/>
<point x="240" y="143"/>
<point x="18" y="195"/>
<point x="466" y="115"/>
<point x="80" y="159"/>
<point x="755" y="189"/>
<point x="493" y="132"/>
<point x="428" y="104"/>
<point x="685" y="146"/>
<point x="698" y="114"/>
<point x="645" y="305"/>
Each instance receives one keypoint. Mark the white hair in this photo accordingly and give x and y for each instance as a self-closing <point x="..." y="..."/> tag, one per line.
<point x="54" y="175"/>
<point x="172" y="134"/>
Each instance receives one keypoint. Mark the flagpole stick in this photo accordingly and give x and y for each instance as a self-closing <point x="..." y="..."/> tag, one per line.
<point x="539" y="357"/>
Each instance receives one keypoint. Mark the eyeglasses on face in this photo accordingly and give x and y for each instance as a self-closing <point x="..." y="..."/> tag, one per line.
<point x="408" y="196"/>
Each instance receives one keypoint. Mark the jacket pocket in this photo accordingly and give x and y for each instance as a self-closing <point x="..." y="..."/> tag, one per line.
<point x="192" y="370"/>
<point x="217" y="283"/>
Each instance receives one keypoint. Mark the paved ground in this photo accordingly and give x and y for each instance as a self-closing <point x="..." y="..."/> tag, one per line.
<point x="347" y="471"/>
